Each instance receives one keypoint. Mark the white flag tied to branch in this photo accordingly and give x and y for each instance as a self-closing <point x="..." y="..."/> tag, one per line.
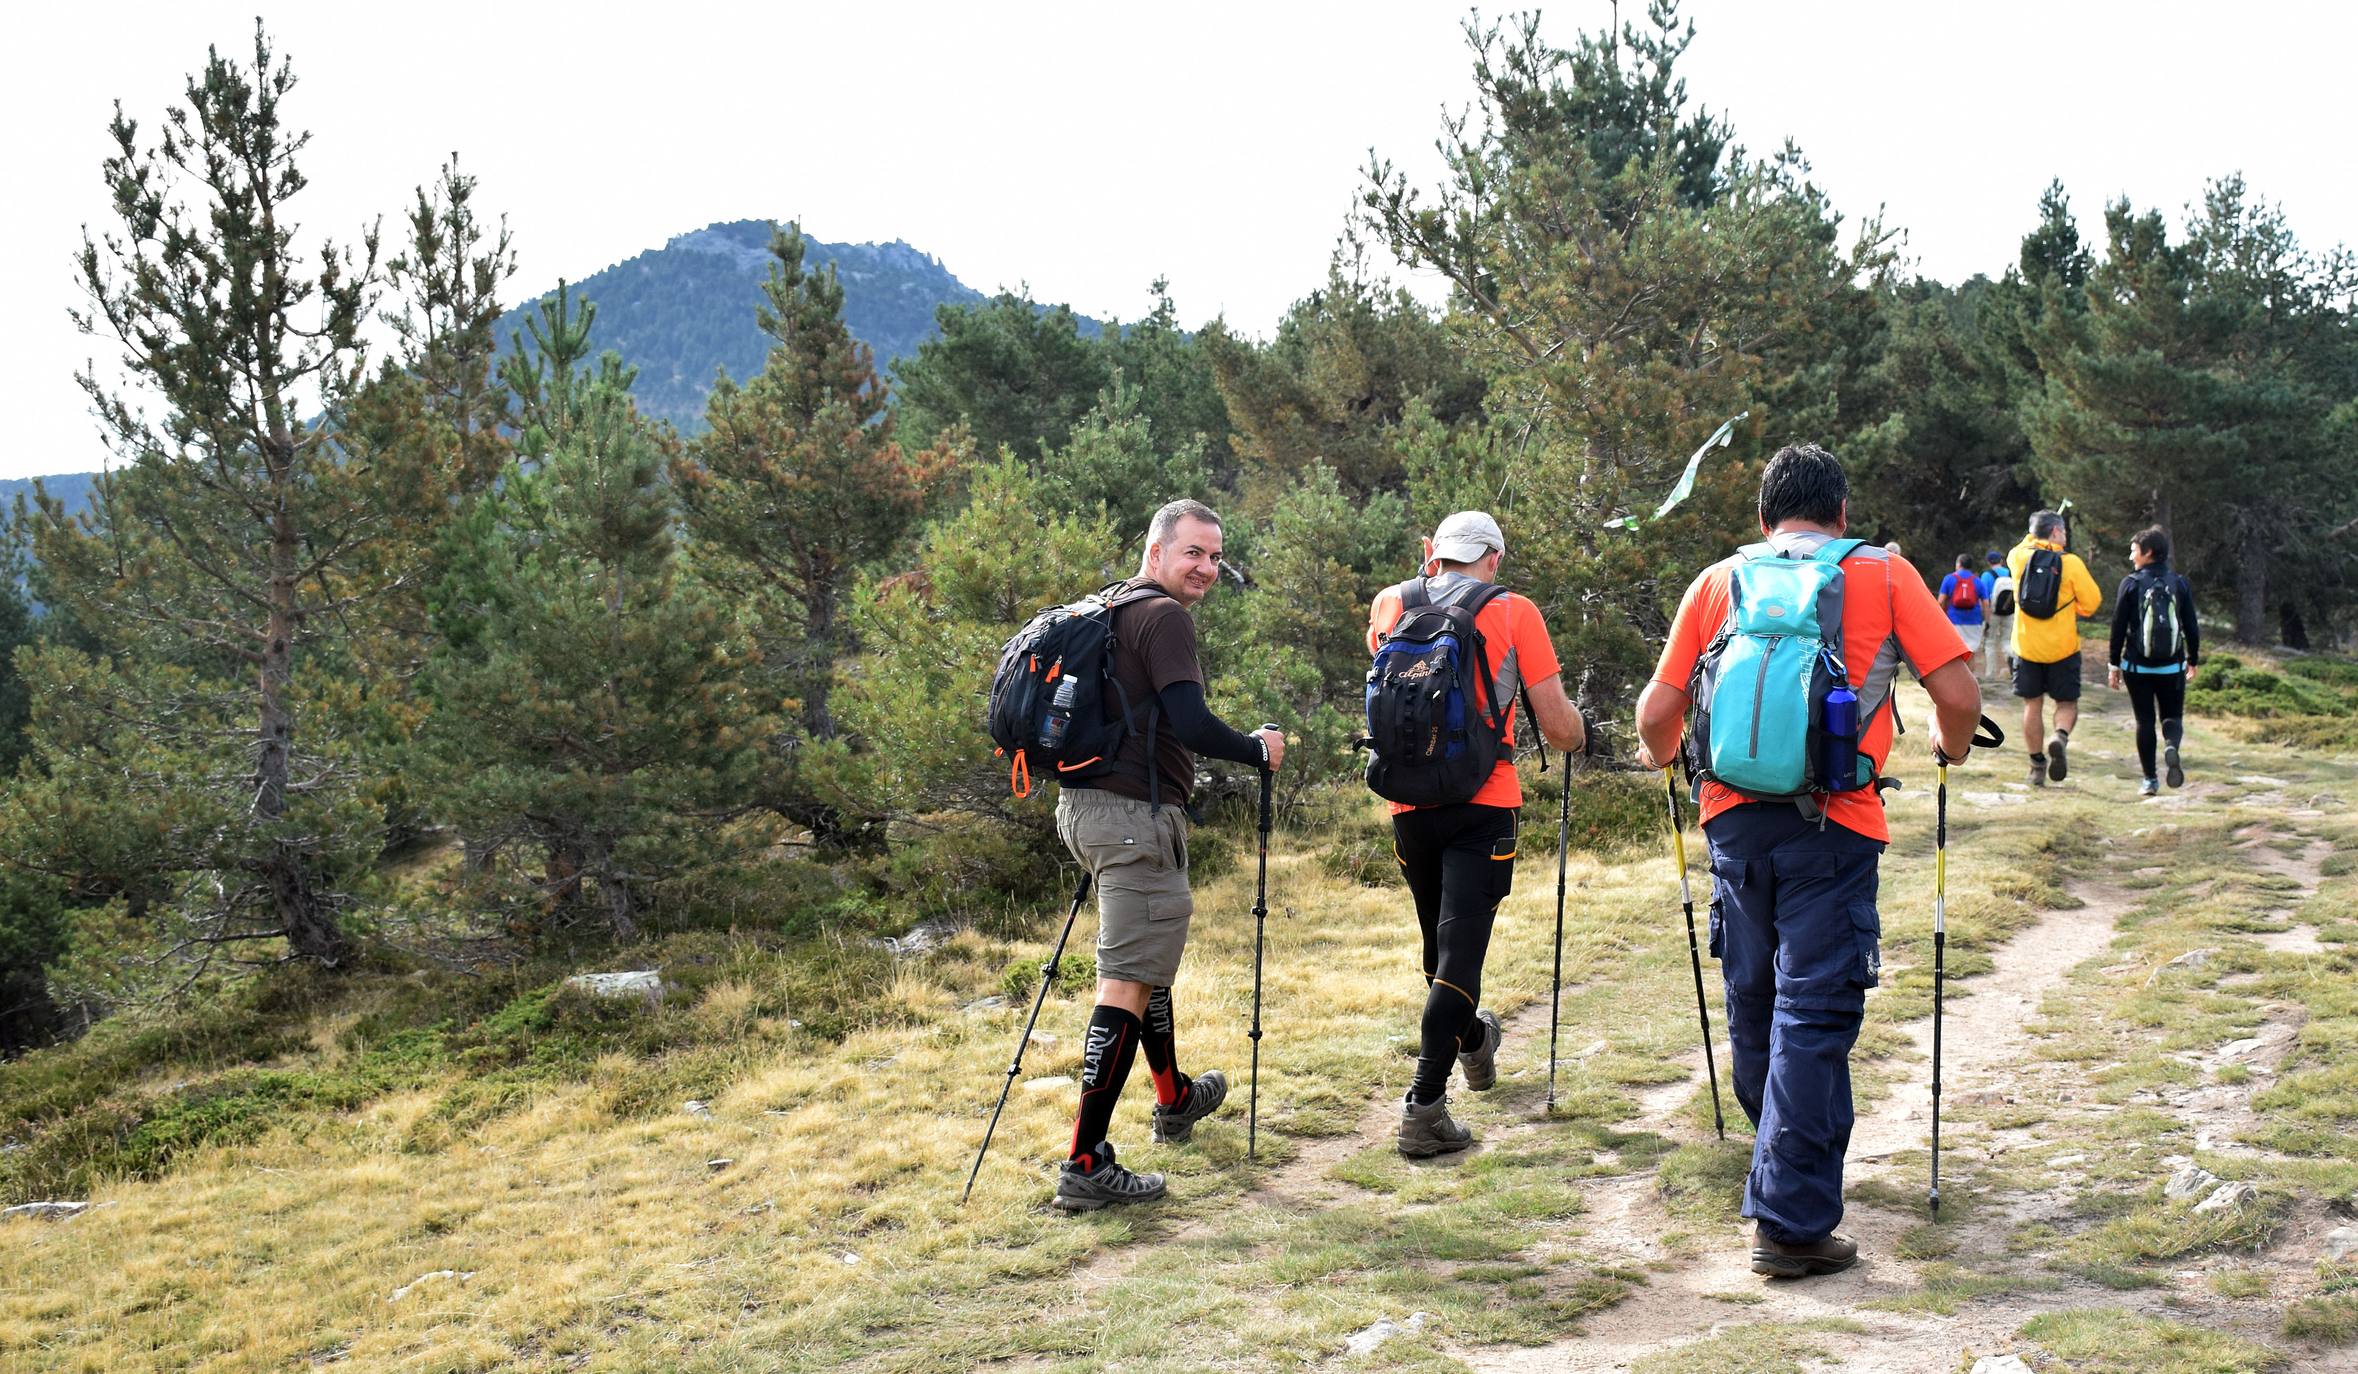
<point x="1686" y="480"/>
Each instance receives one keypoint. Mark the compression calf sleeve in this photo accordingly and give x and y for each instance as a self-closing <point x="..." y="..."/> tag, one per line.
<point x="1159" y="1040"/>
<point x="1449" y="1017"/>
<point x="1106" y="1056"/>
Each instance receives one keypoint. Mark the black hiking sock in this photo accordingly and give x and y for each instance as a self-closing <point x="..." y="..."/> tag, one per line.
<point x="1159" y="1040"/>
<point x="1106" y="1056"/>
<point x="1449" y="1018"/>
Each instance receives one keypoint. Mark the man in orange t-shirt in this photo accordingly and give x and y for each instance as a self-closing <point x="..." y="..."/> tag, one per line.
<point x="1459" y="859"/>
<point x="1793" y="919"/>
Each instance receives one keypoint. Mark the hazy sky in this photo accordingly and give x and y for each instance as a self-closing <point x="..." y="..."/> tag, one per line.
<point x="1084" y="149"/>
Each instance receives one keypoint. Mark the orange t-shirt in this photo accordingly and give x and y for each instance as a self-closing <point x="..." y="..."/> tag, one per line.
<point x="1885" y="605"/>
<point x="1514" y="638"/>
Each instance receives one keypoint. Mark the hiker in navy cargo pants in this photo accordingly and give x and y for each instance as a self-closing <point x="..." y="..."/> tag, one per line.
<point x="1793" y="920"/>
<point x="1794" y="926"/>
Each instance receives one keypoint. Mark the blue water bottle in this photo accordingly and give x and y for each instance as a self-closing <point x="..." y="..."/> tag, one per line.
<point x="1839" y="766"/>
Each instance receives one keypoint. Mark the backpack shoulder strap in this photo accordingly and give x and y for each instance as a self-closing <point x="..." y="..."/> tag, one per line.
<point x="1413" y="594"/>
<point x="1763" y="549"/>
<point x="1835" y="550"/>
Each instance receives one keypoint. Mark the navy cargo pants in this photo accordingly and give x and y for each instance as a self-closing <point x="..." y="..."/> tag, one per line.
<point x="1794" y="926"/>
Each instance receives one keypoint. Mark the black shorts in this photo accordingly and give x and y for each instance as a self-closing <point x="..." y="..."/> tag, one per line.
<point x="2059" y="680"/>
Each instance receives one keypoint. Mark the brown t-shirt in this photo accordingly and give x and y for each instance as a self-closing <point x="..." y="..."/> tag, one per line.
<point x="1154" y="646"/>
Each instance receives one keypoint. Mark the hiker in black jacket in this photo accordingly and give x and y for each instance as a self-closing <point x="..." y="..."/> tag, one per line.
<point x="2155" y="647"/>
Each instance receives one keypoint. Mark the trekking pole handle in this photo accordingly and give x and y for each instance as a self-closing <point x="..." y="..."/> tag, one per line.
<point x="1988" y="735"/>
<point x="1268" y="815"/>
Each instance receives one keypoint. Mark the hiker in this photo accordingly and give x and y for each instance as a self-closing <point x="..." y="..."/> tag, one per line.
<point x="1960" y="596"/>
<point x="1459" y="856"/>
<point x="2156" y="644"/>
<point x="1793" y="919"/>
<point x="1126" y="827"/>
<point x="1997" y="599"/>
<point x="1893" y="548"/>
<point x="2052" y="590"/>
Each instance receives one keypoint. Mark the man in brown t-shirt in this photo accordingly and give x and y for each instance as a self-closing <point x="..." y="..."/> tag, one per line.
<point x="1126" y="827"/>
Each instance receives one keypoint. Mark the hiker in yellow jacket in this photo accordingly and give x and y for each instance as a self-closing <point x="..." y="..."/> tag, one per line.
<point x="2052" y="591"/>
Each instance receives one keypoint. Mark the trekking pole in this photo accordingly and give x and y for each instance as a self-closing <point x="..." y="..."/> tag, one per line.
<point x="1047" y="980"/>
<point x="1940" y="946"/>
<point x="1555" y="990"/>
<point x="1988" y="737"/>
<point x="1686" y="897"/>
<point x="1260" y="923"/>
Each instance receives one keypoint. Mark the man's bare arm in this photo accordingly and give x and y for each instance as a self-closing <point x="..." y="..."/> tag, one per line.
<point x="1558" y="721"/>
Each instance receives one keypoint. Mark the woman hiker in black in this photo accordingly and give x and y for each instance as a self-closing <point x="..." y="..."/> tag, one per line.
<point x="2155" y="645"/>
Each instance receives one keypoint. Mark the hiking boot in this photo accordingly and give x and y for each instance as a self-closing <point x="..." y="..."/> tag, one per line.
<point x="1480" y="1064"/>
<point x="1103" y="1186"/>
<point x="2038" y="776"/>
<point x="1831" y="1255"/>
<point x="1427" y="1131"/>
<point x="1203" y="1096"/>
<point x="2057" y="765"/>
<point x="2170" y="766"/>
<point x="2149" y="788"/>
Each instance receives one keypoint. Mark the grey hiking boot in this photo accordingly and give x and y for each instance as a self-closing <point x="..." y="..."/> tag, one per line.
<point x="2038" y="777"/>
<point x="2171" y="767"/>
<point x="2058" y="764"/>
<point x="1480" y="1063"/>
<point x="1103" y="1186"/>
<point x="2149" y="788"/>
<point x="1175" y="1123"/>
<point x="1831" y="1255"/>
<point x="1427" y="1131"/>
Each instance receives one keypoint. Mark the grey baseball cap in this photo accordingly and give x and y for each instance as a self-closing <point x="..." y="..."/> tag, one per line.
<point x="1467" y="536"/>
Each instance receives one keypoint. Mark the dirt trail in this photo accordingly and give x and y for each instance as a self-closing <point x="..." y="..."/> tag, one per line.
<point x="1982" y="1040"/>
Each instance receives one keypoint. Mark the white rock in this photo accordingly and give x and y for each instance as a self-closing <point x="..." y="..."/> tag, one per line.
<point x="922" y="938"/>
<point x="2340" y="1243"/>
<point x="2193" y="958"/>
<point x="985" y="1004"/>
<point x="695" y="1108"/>
<point x="1049" y="1084"/>
<point x="403" y="1290"/>
<point x="2260" y="780"/>
<point x="847" y="1257"/>
<point x="1384" y="1330"/>
<point x="53" y="1211"/>
<point x="2228" y="1198"/>
<point x="1041" y="1037"/>
<point x="646" y="984"/>
<point x="2236" y="1048"/>
<point x="2066" y="1161"/>
<point x="716" y="1165"/>
<point x="2000" y="1364"/>
<point x="2191" y="1181"/>
<point x="1593" y="1047"/>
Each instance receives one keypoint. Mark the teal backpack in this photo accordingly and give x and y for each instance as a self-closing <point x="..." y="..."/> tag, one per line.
<point x="1774" y="716"/>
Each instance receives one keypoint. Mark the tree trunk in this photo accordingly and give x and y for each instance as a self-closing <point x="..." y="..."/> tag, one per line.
<point x="2251" y="587"/>
<point x="303" y="918"/>
<point x="817" y="720"/>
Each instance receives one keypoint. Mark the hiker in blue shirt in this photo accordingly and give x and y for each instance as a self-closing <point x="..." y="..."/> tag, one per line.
<point x="2155" y="647"/>
<point x="1961" y="597"/>
<point x="1997" y="604"/>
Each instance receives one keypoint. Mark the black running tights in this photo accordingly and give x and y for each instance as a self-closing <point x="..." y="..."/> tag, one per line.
<point x="2154" y="695"/>
<point x="1460" y="863"/>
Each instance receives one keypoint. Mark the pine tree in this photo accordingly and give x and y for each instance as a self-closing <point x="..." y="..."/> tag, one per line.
<point x="1012" y="372"/>
<point x="594" y="716"/>
<point x="1625" y="281"/>
<point x="225" y="546"/>
<point x="798" y="485"/>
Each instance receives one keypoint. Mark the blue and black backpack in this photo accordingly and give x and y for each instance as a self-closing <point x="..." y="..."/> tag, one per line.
<point x="1431" y="741"/>
<point x="1774" y="716"/>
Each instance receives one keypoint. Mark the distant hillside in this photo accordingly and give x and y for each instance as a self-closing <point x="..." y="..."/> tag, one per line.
<point x="73" y="488"/>
<point x="681" y="310"/>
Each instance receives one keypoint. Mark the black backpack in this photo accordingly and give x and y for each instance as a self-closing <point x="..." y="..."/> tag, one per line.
<point x="2039" y="591"/>
<point x="1431" y="742"/>
<point x="2160" y="639"/>
<point x="1055" y="707"/>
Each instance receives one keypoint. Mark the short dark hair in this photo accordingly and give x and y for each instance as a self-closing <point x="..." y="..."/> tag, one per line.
<point x="1803" y="482"/>
<point x="1167" y="519"/>
<point x="2154" y="542"/>
<point x="2044" y="523"/>
<point x="1964" y="561"/>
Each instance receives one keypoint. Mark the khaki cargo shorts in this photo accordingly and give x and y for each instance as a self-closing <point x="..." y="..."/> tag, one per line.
<point x="1138" y="856"/>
